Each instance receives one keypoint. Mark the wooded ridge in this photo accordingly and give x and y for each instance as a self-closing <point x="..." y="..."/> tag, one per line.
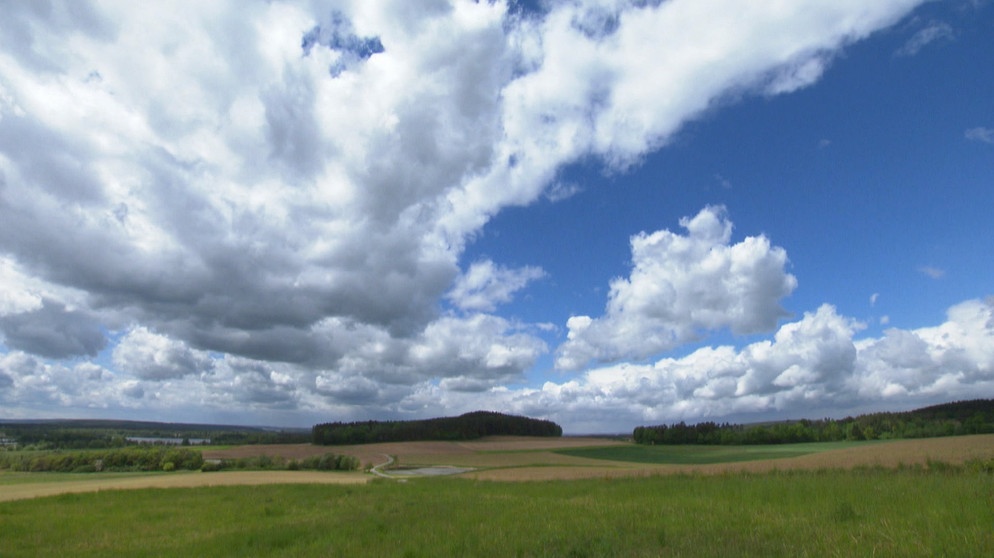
<point x="464" y="427"/>
<point x="948" y="419"/>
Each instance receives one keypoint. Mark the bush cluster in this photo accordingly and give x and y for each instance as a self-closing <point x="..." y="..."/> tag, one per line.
<point x="155" y="458"/>
<point x="326" y="462"/>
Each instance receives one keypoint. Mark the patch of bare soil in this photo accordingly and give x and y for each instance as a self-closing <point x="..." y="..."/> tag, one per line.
<point x="93" y="482"/>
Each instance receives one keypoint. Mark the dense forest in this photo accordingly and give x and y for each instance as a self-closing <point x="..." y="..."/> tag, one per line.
<point x="949" y="419"/>
<point x="104" y="434"/>
<point x="464" y="427"/>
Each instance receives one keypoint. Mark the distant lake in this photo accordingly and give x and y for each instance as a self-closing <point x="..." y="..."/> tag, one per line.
<point x="169" y="441"/>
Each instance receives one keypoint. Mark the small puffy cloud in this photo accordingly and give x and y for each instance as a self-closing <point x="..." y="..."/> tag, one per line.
<point x="480" y="347"/>
<point x="932" y="271"/>
<point x="150" y="356"/>
<point x="132" y="389"/>
<point x="681" y="287"/>
<point x="952" y="360"/>
<point x="801" y="73"/>
<point x="486" y="285"/>
<point x="259" y="384"/>
<point x="980" y="133"/>
<point x="37" y="384"/>
<point x="934" y="31"/>
<point x="560" y="191"/>
<point x="53" y="331"/>
<point x="348" y="390"/>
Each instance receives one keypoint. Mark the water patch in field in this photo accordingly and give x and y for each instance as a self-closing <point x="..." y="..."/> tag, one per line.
<point x="429" y="471"/>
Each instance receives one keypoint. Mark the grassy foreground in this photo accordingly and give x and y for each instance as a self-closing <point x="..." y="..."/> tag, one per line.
<point x="883" y="512"/>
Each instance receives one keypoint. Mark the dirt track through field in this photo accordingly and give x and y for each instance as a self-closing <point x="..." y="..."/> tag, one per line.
<point x="93" y="483"/>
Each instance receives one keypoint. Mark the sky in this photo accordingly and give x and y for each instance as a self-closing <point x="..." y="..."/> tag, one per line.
<point x="606" y="213"/>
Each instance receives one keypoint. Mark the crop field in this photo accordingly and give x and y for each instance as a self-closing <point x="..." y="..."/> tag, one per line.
<point x="511" y="458"/>
<point x="608" y="498"/>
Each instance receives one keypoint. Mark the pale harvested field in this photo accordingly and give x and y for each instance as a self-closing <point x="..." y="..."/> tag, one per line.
<point x="93" y="483"/>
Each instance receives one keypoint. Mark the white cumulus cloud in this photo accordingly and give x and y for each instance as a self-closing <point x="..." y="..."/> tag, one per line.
<point x="980" y="133"/>
<point x="681" y="287"/>
<point x="485" y="285"/>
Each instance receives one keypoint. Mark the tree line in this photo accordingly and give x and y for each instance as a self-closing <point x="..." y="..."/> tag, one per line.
<point x="107" y="434"/>
<point x="162" y="458"/>
<point x="949" y="419"/>
<point x="157" y="458"/>
<point x="464" y="427"/>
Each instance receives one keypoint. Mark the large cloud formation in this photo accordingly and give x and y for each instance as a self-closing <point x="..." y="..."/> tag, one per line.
<point x="258" y="209"/>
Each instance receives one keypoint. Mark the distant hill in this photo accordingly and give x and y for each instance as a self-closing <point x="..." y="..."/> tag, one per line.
<point x="464" y="427"/>
<point x="948" y="419"/>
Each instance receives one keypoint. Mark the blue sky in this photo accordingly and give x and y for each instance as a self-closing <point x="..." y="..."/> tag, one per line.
<point x="604" y="213"/>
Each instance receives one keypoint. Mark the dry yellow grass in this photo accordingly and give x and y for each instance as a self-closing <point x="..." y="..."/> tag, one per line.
<point x="93" y="483"/>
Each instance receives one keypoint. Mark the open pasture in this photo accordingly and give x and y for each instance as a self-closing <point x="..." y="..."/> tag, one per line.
<point x="912" y="511"/>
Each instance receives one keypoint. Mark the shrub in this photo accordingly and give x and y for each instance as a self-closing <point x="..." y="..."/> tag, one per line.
<point x="212" y="466"/>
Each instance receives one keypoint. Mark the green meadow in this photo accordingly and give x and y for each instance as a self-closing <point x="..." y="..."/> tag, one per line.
<point x="910" y="511"/>
<point x="703" y="454"/>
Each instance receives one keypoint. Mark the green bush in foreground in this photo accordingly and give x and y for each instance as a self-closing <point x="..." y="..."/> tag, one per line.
<point x="913" y="511"/>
